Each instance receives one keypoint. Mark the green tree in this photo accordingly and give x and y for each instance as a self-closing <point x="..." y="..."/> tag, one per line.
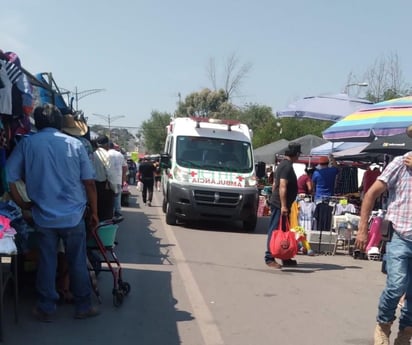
<point x="207" y="103"/>
<point x="153" y="131"/>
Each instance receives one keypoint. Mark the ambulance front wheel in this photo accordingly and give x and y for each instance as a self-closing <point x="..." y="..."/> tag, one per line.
<point x="170" y="215"/>
<point x="164" y="205"/>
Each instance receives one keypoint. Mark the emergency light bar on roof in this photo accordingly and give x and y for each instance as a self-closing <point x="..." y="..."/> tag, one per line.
<point x="229" y="122"/>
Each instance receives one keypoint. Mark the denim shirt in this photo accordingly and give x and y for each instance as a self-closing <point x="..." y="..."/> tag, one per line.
<point x="53" y="165"/>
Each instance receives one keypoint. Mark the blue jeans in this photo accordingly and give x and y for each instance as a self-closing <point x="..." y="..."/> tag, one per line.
<point x="74" y="240"/>
<point x="118" y="202"/>
<point x="273" y="225"/>
<point x="398" y="282"/>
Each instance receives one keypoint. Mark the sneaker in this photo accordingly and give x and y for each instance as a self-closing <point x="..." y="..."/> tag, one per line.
<point x="92" y="312"/>
<point x="274" y="264"/>
<point x="117" y="219"/>
<point x="42" y="315"/>
<point x="289" y="263"/>
<point x="118" y="214"/>
<point x="149" y="203"/>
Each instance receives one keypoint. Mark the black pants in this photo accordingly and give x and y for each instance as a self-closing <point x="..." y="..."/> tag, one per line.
<point x="147" y="193"/>
<point x="105" y="201"/>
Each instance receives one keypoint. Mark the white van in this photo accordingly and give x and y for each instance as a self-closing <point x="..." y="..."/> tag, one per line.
<point x="208" y="172"/>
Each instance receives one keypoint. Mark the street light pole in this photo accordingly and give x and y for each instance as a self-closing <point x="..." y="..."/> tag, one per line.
<point x="109" y="119"/>
<point x="363" y="84"/>
<point x="81" y="94"/>
<point x="78" y="95"/>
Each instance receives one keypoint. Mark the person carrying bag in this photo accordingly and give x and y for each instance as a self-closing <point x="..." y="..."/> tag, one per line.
<point x="284" y="192"/>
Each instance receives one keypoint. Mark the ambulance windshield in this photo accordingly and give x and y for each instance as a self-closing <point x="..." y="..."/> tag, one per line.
<point x="214" y="154"/>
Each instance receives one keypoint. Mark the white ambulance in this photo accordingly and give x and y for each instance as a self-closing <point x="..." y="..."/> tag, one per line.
<point x="208" y="172"/>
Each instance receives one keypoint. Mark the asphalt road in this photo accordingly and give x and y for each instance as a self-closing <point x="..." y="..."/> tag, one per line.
<point x="207" y="284"/>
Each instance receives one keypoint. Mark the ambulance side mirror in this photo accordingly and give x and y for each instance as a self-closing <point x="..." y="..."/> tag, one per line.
<point x="260" y="169"/>
<point x="165" y="161"/>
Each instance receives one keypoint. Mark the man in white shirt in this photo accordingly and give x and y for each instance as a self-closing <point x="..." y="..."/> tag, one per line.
<point x="117" y="169"/>
<point x="105" y="184"/>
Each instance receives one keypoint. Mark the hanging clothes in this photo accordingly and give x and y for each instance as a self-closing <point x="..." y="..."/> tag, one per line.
<point x="293" y="217"/>
<point x="306" y="214"/>
<point x="10" y="74"/>
<point x="323" y="216"/>
<point x="342" y="209"/>
<point x="347" y="181"/>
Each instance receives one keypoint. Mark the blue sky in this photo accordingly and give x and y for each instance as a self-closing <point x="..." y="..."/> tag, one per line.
<point x="146" y="52"/>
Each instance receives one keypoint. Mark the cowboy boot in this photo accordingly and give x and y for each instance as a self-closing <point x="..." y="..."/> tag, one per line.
<point x="382" y="333"/>
<point x="404" y="336"/>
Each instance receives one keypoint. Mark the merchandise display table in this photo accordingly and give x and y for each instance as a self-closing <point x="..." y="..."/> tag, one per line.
<point x="8" y="274"/>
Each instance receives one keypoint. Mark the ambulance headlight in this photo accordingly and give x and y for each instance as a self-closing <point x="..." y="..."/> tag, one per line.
<point x="250" y="181"/>
<point x="181" y="175"/>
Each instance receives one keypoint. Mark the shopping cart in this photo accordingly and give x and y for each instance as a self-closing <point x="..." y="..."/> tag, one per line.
<point x="102" y="258"/>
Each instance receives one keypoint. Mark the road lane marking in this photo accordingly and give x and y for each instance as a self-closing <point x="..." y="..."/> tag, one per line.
<point x="203" y="316"/>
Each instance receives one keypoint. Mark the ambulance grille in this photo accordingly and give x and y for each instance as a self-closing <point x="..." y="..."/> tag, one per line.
<point x="221" y="199"/>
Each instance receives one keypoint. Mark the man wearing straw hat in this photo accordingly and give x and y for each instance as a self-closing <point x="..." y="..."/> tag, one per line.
<point x="75" y="126"/>
<point x="60" y="181"/>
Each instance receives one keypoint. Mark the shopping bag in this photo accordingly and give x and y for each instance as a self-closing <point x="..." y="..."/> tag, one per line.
<point x="283" y="244"/>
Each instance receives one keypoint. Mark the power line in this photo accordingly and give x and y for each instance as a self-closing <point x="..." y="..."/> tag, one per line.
<point x="99" y="124"/>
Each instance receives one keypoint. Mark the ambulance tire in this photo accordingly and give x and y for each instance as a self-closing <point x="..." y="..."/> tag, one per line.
<point x="164" y="205"/>
<point x="249" y="225"/>
<point x="170" y="215"/>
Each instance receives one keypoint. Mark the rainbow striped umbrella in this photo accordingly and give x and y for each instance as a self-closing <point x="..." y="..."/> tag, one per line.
<point x="378" y="120"/>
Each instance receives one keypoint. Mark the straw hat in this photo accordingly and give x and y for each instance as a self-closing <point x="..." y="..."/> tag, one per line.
<point x="74" y="127"/>
<point x="409" y="131"/>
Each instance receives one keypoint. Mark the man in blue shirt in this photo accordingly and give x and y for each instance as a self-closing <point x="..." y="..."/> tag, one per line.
<point x="324" y="179"/>
<point x="60" y="182"/>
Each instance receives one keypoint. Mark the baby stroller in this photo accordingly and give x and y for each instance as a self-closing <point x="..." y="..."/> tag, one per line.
<point x="100" y="250"/>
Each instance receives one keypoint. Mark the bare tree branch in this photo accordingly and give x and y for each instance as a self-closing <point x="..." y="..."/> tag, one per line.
<point x="233" y="77"/>
<point x="211" y="72"/>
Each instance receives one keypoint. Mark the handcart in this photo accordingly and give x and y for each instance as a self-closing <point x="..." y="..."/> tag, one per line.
<point x="102" y="257"/>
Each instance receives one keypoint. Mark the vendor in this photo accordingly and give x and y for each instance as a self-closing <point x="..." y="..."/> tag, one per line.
<point x="305" y="184"/>
<point x="324" y="178"/>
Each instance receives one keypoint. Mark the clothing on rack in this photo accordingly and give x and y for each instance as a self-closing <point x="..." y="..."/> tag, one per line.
<point x="306" y="214"/>
<point x="347" y="180"/>
<point x="342" y="209"/>
<point x="323" y="216"/>
<point x="294" y="214"/>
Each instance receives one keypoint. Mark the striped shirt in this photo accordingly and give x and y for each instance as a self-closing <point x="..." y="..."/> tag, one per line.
<point x="398" y="179"/>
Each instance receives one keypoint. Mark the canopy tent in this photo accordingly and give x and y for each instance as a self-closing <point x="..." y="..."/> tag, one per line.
<point x="330" y="147"/>
<point x="395" y="145"/>
<point x="268" y="152"/>
<point x="329" y="107"/>
<point x="351" y="151"/>
<point x="308" y="142"/>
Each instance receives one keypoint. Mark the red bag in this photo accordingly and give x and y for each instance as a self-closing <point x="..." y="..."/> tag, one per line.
<point x="283" y="244"/>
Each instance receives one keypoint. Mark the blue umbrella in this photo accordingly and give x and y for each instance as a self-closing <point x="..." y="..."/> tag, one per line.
<point x="330" y="107"/>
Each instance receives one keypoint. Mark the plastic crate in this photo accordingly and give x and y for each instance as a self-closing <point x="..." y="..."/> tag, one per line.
<point x="106" y="233"/>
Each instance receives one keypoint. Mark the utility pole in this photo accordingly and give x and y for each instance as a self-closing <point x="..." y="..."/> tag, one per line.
<point x="109" y="119"/>
<point x="81" y="94"/>
<point x="78" y="95"/>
